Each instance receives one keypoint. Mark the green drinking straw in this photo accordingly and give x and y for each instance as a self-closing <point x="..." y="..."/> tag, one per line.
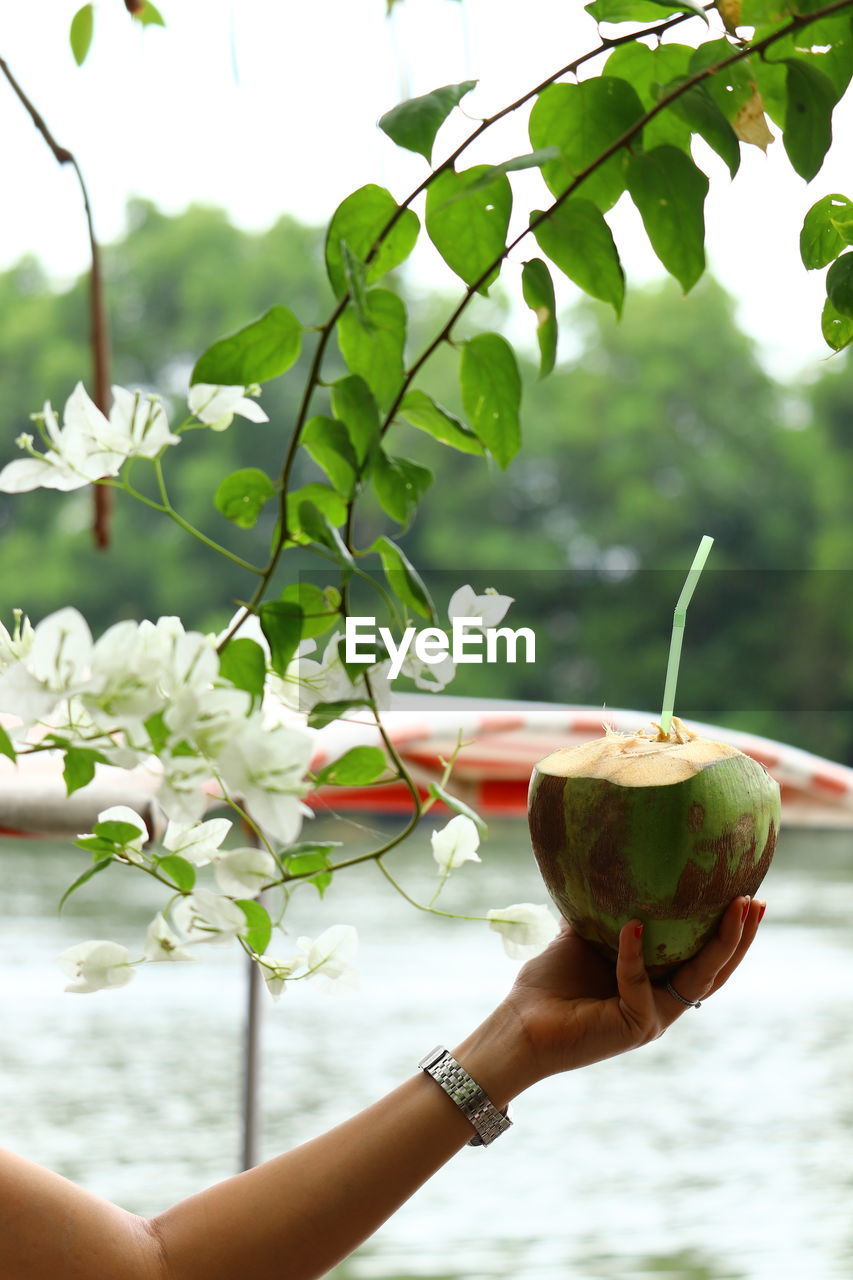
<point x="678" y="631"/>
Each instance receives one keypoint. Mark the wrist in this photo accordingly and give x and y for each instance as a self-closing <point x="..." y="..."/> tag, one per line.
<point x="497" y="1055"/>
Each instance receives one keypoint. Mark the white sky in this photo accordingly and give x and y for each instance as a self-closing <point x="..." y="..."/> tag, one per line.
<point x="266" y="106"/>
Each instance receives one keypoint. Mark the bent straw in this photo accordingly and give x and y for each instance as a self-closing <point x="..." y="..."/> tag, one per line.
<point x="678" y="621"/>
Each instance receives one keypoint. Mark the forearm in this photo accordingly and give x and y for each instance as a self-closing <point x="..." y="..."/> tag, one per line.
<point x="51" y="1229"/>
<point x="299" y="1214"/>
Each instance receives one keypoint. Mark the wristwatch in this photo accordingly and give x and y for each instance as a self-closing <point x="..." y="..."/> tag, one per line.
<point x="471" y="1100"/>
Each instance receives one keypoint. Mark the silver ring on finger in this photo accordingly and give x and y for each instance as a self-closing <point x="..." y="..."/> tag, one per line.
<point x="690" y="1004"/>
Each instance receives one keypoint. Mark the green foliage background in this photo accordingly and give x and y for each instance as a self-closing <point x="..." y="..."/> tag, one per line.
<point x="661" y="428"/>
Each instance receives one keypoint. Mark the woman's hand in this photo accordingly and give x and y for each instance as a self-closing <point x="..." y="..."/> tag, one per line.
<point x="570" y="1007"/>
<point x="576" y="1009"/>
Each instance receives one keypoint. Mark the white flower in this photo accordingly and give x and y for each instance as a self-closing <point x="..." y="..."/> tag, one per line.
<point x="138" y="426"/>
<point x="182" y="794"/>
<point x="525" y="928"/>
<point x="266" y="767"/>
<point x="73" y="459"/>
<point x="198" y="842"/>
<point x="89" y="445"/>
<point x="205" y="916"/>
<point x="276" y="973"/>
<point x="332" y="954"/>
<point x="95" y="965"/>
<point x="216" y="406"/>
<point x="490" y="608"/>
<point x="307" y="682"/>
<point x="242" y="872"/>
<point x="162" y="943"/>
<point x="54" y="666"/>
<point x="456" y="843"/>
<point x="208" y="717"/>
<point x="15" y="646"/>
<point x="430" y="676"/>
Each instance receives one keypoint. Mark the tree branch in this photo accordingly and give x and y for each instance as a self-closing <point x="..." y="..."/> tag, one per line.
<point x="99" y="327"/>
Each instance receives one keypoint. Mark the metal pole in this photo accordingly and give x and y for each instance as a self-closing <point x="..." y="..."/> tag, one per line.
<point x="251" y="1067"/>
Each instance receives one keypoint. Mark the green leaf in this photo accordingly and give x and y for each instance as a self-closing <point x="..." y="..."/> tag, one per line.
<point x="733" y="86"/>
<point x="422" y="412"/>
<point x="537" y="288"/>
<point x="399" y="484"/>
<point x="149" y="16"/>
<point x="359" y="220"/>
<point x="583" y="120"/>
<point x="180" y="871"/>
<point x="81" y="879"/>
<point x="701" y="114"/>
<point x="649" y="71"/>
<point x="262" y="350"/>
<point x="355" y="768"/>
<point x="468" y="222"/>
<point x="95" y="845"/>
<point x="824" y="235"/>
<point x="354" y="405"/>
<point x="328" y="500"/>
<point x="836" y="328"/>
<point x="530" y="160"/>
<point x="637" y="10"/>
<point x="312" y="865"/>
<point x="403" y="578"/>
<point x="669" y="192"/>
<point x="259" y="926"/>
<point x="281" y="623"/>
<point x="320" y="607"/>
<point x="576" y="238"/>
<point x="6" y="747"/>
<point x="241" y="496"/>
<point x="374" y="350"/>
<point x="839" y="285"/>
<point x="82" y="30"/>
<point x="79" y="767"/>
<point x="808" y="120"/>
<point x="119" y="833"/>
<point x="826" y="45"/>
<point x="415" y="123"/>
<point x="324" y="713"/>
<point x="327" y="441"/>
<point x="316" y="525"/>
<point x="157" y="730"/>
<point x="242" y="662"/>
<point x="355" y="272"/>
<point x="458" y="806"/>
<point x="491" y="394"/>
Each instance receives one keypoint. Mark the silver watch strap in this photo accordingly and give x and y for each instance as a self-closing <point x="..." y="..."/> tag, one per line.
<point x="471" y="1100"/>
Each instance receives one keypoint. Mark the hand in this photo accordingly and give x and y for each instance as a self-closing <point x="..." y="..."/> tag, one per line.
<point x="573" y="1008"/>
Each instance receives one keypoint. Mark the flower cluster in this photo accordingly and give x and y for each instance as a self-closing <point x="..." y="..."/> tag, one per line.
<point x="90" y="446"/>
<point x="154" y="696"/>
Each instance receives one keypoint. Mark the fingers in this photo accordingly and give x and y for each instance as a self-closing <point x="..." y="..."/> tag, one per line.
<point x="717" y="960"/>
<point x="636" y="995"/>
<point x="750" y="929"/>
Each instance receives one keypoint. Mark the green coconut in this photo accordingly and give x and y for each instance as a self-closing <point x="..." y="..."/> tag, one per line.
<point x="667" y="829"/>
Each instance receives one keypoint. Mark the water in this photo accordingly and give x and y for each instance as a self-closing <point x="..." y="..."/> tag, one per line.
<point x="723" y="1150"/>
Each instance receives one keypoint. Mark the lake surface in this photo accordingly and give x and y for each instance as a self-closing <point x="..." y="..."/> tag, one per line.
<point x="723" y="1151"/>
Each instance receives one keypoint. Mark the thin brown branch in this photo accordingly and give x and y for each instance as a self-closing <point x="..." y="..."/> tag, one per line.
<point x="99" y="326"/>
<point x="796" y="24"/>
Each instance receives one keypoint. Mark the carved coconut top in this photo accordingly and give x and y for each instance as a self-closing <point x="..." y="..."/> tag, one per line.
<point x="643" y="759"/>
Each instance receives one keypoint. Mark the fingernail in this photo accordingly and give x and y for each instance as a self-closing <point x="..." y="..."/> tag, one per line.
<point x="745" y="911"/>
<point x="638" y="931"/>
<point x="761" y="911"/>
